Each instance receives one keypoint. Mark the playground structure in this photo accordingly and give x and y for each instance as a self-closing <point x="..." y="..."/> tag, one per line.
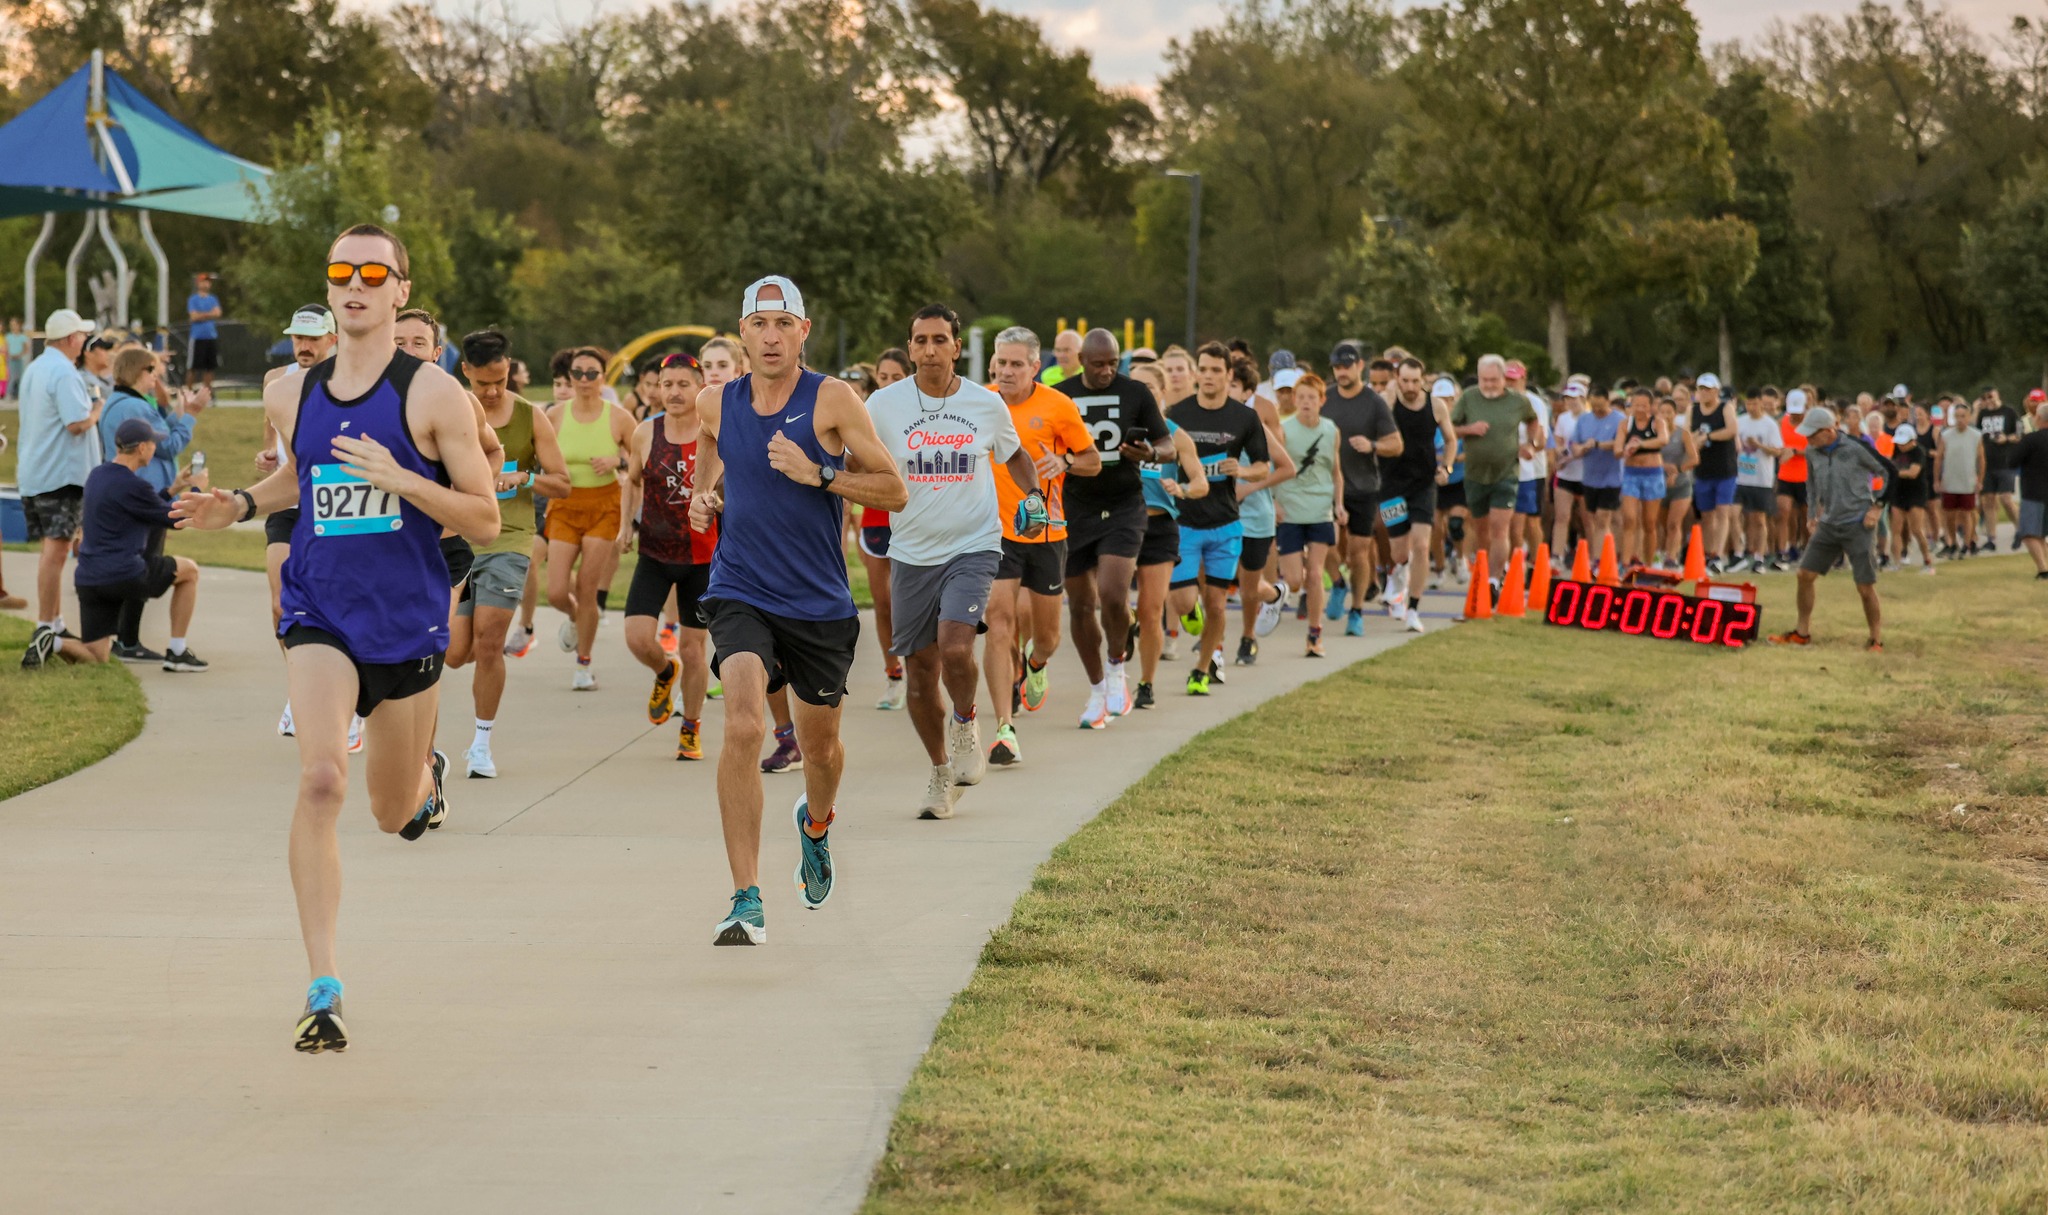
<point x="616" y="369"/>
<point x="1130" y="331"/>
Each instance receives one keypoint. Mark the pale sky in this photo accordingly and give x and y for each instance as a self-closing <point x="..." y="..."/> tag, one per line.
<point x="1128" y="37"/>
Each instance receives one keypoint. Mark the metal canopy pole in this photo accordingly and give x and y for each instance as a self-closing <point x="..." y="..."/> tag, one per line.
<point x="163" y="280"/>
<point x="124" y="278"/>
<point x="28" y="271"/>
<point x="71" y="264"/>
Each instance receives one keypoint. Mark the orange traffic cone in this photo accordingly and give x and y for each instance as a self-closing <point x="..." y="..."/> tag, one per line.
<point x="1695" y="559"/>
<point x="1610" y="569"/>
<point x="1582" y="563"/>
<point x="1513" y="598"/>
<point x="1539" y="582"/>
<point x="1479" y="597"/>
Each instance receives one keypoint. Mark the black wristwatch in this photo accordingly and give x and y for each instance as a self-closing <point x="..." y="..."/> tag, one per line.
<point x="826" y="475"/>
<point x="248" y="511"/>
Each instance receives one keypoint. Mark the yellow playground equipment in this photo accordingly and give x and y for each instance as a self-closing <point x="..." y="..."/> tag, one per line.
<point x="640" y="345"/>
<point x="1130" y="330"/>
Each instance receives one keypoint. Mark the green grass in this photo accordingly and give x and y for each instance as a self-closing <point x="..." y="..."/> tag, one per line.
<point x="1515" y="918"/>
<point x="230" y="438"/>
<point x="62" y="718"/>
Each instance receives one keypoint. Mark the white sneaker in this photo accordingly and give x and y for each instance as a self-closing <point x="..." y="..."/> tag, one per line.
<point x="1271" y="611"/>
<point x="1096" y="714"/>
<point x="1414" y="620"/>
<point x="566" y="636"/>
<point x="1170" y="651"/>
<point x="584" y="681"/>
<point x="355" y="734"/>
<point x="516" y="639"/>
<point x="478" y="760"/>
<point x="284" y="724"/>
<point x="939" y="793"/>
<point x="1928" y="569"/>
<point x="1395" y="596"/>
<point x="892" y="696"/>
<point x="1116" y="691"/>
<point x="967" y="760"/>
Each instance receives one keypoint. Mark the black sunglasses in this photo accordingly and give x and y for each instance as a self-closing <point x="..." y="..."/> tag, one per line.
<point x="575" y="374"/>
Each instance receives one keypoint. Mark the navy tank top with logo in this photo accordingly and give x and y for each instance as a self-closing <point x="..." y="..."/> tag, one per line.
<point x="778" y="542"/>
<point x="366" y="565"/>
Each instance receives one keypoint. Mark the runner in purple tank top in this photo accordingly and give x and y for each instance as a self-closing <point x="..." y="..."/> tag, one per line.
<point x="782" y="450"/>
<point x="382" y="453"/>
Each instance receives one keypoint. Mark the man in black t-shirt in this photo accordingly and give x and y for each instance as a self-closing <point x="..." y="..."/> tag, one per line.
<point x="1106" y="518"/>
<point x="1231" y="440"/>
<point x="1365" y="432"/>
<point x="2030" y="461"/>
<point x="2001" y="426"/>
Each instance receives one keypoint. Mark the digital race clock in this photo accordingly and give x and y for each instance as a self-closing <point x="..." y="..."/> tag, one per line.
<point x="1666" y="615"/>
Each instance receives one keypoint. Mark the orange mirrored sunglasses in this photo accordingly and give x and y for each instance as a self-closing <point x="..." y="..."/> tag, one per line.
<point x="374" y="273"/>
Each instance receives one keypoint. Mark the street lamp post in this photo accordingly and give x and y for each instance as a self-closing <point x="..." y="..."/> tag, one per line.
<point x="1194" y="242"/>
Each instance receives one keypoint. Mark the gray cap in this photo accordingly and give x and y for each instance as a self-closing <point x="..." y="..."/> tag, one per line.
<point x="1817" y="419"/>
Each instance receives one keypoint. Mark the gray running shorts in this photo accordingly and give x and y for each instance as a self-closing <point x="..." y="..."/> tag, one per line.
<point x="922" y="595"/>
<point x="496" y="580"/>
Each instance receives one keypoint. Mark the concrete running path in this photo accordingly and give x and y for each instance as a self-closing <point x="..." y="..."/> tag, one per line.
<point x="538" y="1019"/>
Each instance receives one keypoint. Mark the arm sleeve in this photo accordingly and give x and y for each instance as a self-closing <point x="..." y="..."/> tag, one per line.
<point x="177" y="436"/>
<point x="1071" y="431"/>
<point x="140" y="502"/>
<point x="74" y="404"/>
<point x="1383" y="424"/>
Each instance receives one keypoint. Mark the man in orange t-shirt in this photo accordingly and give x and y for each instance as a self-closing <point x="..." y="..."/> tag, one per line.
<point x="1032" y="577"/>
<point x="1790" y="525"/>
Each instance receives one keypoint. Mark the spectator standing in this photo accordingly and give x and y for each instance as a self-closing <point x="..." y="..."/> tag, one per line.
<point x="1909" y="502"/>
<point x="121" y="510"/>
<point x="1959" y="473"/>
<point x="1066" y="358"/>
<point x="97" y="362"/>
<point x="2031" y="462"/>
<point x="58" y="415"/>
<point x="17" y="357"/>
<point x="1845" y="505"/>
<point x="2000" y="424"/>
<point x="203" y="311"/>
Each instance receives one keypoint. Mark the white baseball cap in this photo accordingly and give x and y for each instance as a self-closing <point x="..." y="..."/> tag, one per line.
<point x="1709" y="380"/>
<point x="65" y="322"/>
<point x="792" y="300"/>
<point x="311" y="320"/>
<point x="1900" y="392"/>
<point x="1905" y="434"/>
<point x="1575" y="390"/>
<point x="1795" y="401"/>
<point x="1287" y="377"/>
<point x="1443" y="388"/>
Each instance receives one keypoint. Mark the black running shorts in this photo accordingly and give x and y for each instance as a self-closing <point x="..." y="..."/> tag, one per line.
<point x="459" y="556"/>
<point x="376" y="682"/>
<point x="1255" y="553"/>
<point x="810" y="657"/>
<point x="1094" y="534"/>
<point x="1162" y="541"/>
<point x="1041" y="565"/>
<point x="278" y="525"/>
<point x="653" y="580"/>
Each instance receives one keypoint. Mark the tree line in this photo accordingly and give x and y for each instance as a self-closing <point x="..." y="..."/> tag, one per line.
<point x="1576" y="182"/>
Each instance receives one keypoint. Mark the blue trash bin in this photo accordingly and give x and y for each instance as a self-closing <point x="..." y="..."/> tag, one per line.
<point x="13" y="520"/>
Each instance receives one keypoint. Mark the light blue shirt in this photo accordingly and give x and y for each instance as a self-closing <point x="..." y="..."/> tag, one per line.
<point x="176" y="429"/>
<point x="53" y="396"/>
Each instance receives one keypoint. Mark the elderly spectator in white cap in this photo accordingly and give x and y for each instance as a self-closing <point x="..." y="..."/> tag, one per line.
<point x="58" y="449"/>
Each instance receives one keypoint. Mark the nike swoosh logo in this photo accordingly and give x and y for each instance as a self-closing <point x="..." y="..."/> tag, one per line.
<point x="793" y="417"/>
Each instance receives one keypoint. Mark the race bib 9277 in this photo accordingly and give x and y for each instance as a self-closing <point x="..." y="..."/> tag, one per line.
<point x="347" y="505"/>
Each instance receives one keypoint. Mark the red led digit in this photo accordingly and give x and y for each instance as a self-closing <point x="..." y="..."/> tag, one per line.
<point x="1742" y="627"/>
<point x="1637" y="602"/>
<point x="1706" y="620"/>
<point x="1664" y="620"/>
<point x="1564" y="602"/>
<point x="1605" y="596"/>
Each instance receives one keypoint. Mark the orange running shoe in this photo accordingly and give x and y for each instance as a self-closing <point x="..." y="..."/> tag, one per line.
<point x="688" y="745"/>
<point x="669" y="637"/>
<point x="1790" y="637"/>
<point x="661" y="702"/>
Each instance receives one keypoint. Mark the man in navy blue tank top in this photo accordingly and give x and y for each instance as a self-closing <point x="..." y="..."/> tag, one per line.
<point x="781" y="449"/>
<point x="382" y="452"/>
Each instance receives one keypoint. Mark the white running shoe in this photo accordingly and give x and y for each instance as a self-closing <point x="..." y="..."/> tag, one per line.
<point x="516" y="641"/>
<point x="1116" y="691"/>
<point x="967" y="760"/>
<point x="583" y="681"/>
<point x="939" y="793"/>
<point x="1170" y="651"/>
<point x="566" y="636"/>
<point x="1414" y="620"/>
<point x="1395" y="594"/>
<point x="1096" y="715"/>
<point x="1271" y="611"/>
<point x="478" y="761"/>
<point x="284" y="724"/>
<point x="892" y="696"/>
<point x="355" y="734"/>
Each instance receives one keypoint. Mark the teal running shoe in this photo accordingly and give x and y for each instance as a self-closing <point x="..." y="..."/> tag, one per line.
<point x="1333" y="608"/>
<point x="1354" y="623"/>
<point x="320" y="1026"/>
<point x="814" y="870"/>
<point x="745" y="924"/>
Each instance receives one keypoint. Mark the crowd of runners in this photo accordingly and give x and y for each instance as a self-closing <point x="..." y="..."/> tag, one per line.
<point x="1138" y="507"/>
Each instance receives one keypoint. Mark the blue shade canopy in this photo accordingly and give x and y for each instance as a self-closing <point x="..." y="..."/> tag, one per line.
<point x="51" y="154"/>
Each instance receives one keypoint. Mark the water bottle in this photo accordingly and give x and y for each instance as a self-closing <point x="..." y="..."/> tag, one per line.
<point x="198" y="462"/>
